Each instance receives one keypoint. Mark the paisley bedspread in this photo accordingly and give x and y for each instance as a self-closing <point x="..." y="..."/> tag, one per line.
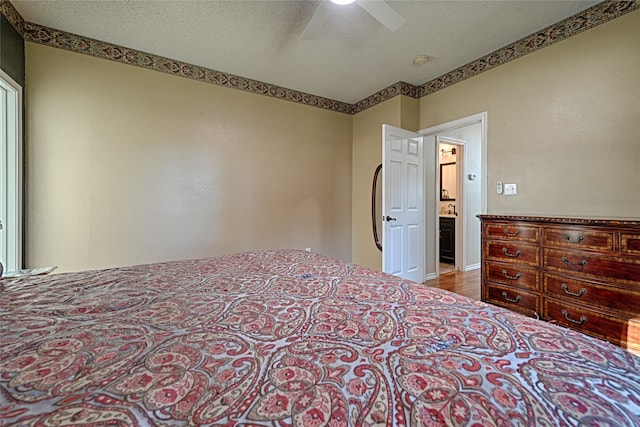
<point x="291" y="338"/>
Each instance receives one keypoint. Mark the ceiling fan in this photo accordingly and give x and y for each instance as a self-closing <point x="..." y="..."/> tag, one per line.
<point x="379" y="9"/>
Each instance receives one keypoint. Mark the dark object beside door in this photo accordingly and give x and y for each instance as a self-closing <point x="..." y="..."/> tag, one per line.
<point x="448" y="240"/>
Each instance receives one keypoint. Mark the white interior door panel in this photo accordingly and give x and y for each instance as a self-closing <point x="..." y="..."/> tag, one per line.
<point x="403" y="231"/>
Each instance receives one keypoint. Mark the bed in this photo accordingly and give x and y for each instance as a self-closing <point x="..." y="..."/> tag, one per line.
<point x="287" y="337"/>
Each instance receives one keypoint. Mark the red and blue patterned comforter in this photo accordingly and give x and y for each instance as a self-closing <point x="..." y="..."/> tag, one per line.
<point x="291" y="338"/>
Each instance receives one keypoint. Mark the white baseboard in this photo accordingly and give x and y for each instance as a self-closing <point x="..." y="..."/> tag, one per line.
<point x="472" y="267"/>
<point x="430" y="276"/>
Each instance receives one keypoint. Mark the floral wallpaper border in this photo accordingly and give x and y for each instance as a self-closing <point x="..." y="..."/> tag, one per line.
<point x="590" y="18"/>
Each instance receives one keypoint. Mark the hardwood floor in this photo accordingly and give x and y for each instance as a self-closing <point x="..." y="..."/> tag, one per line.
<point x="467" y="284"/>
<point x="446" y="268"/>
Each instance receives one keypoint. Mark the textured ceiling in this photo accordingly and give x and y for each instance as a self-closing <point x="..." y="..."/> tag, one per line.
<point x="352" y="56"/>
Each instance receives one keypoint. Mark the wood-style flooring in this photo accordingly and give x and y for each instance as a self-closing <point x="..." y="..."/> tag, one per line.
<point x="467" y="283"/>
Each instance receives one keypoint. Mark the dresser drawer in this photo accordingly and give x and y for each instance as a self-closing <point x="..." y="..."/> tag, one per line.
<point x="620" y="270"/>
<point x="579" y="238"/>
<point x="581" y="292"/>
<point x="630" y="243"/>
<point x="514" y="299"/>
<point x="512" y="274"/>
<point x="516" y="252"/>
<point x="510" y="231"/>
<point x="618" y="330"/>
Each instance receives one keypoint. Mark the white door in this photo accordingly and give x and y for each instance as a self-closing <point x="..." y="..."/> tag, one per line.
<point x="403" y="230"/>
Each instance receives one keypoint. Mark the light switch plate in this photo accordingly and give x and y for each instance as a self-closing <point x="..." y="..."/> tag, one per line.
<point x="510" y="189"/>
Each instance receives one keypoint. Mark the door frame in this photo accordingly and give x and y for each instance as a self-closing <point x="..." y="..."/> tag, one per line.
<point x="433" y="131"/>
<point x="11" y="179"/>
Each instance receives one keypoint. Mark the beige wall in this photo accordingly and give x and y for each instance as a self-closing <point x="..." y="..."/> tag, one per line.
<point x="127" y="166"/>
<point x="400" y="111"/>
<point x="563" y="123"/>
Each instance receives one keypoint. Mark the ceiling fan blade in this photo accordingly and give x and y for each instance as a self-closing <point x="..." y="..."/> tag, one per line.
<point x="383" y="13"/>
<point x="317" y="22"/>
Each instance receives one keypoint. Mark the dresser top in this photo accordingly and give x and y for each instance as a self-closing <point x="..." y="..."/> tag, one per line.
<point x="632" y="223"/>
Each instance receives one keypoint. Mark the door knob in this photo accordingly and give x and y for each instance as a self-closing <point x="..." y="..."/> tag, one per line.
<point x="388" y="218"/>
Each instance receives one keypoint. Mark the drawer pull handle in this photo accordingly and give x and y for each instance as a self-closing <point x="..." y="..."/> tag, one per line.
<point x="506" y="252"/>
<point x="511" y="234"/>
<point x="568" y="239"/>
<point x="578" y="322"/>
<point x="506" y="274"/>
<point x="568" y="292"/>
<point x="582" y="263"/>
<point x="506" y="296"/>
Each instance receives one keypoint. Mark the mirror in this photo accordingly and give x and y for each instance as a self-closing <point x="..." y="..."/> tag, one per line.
<point x="376" y="207"/>
<point x="448" y="181"/>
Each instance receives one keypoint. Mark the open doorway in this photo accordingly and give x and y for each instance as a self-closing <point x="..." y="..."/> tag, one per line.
<point x="468" y="135"/>
<point x="451" y="170"/>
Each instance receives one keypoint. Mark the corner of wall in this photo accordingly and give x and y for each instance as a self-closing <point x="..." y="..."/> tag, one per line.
<point x="409" y="113"/>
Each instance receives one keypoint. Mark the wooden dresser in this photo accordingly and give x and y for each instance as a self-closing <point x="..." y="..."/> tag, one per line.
<point x="580" y="273"/>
